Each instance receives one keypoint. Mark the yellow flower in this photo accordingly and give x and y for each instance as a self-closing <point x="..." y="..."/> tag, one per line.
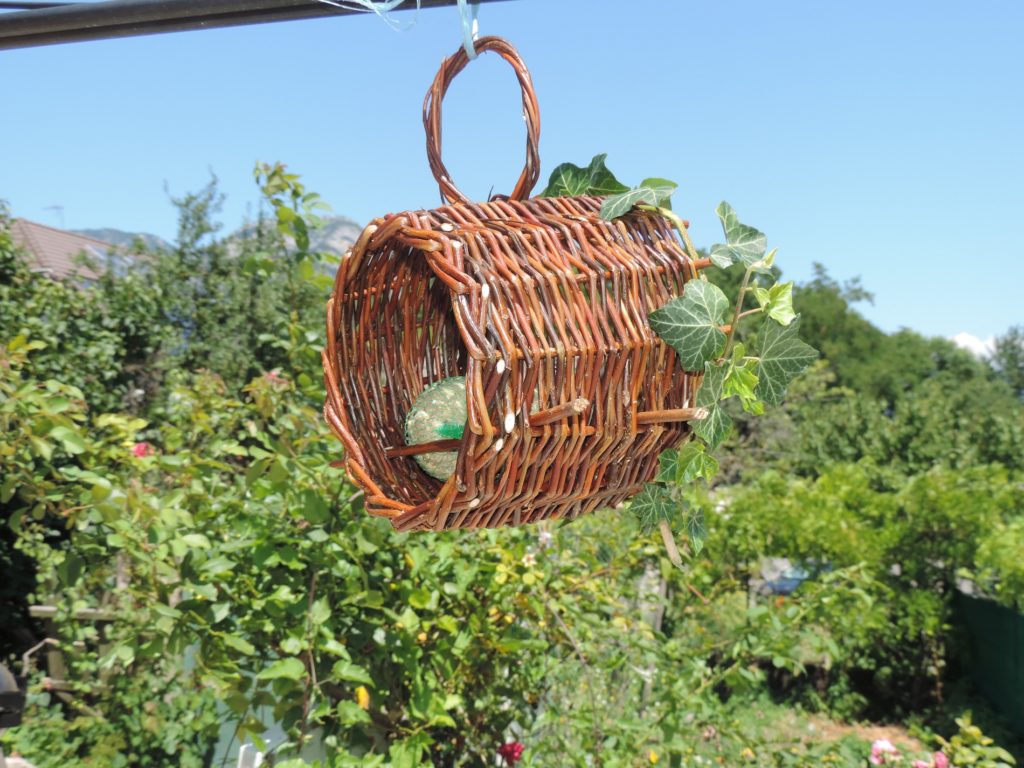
<point x="363" y="697"/>
<point x="747" y="753"/>
<point x="421" y="638"/>
<point x="653" y="757"/>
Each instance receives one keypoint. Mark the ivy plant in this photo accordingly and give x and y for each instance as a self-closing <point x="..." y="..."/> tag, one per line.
<point x="701" y="326"/>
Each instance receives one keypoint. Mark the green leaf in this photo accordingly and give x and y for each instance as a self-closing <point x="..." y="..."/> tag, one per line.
<point x="314" y="508"/>
<point x="350" y="713"/>
<point x="777" y="302"/>
<point x="663" y="188"/>
<point x="741" y="381"/>
<point x="290" y="668"/>
<point x="618" y="205"/>
<point x="240" y="644"/>
<point x="691" y="324"/>
<point x="568" y="180"/>
<point x="195" y="541"/>
<point x="695" y="462"/>
<point x="652" y="505"/>
<point x="651" y="191"/>
<point x="667" y="463"/>
<point x="353" y="673"/>
<point x="696" y="528"/>
<point x="71" y="440"/>
<point x="320" y="611"/>
<point x="783" y="357"/>
<point x="713" y="384"/>
<point x="742" y="243"/>
<point x="40" y="447"/>
<point x="716" y="426"/>
<point x="419" y="598"/>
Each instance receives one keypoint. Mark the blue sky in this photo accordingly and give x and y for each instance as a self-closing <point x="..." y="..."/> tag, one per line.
<point x="882" y="139"/>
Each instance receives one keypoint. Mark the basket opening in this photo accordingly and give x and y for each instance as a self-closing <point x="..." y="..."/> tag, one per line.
<point x="404" y="337"/>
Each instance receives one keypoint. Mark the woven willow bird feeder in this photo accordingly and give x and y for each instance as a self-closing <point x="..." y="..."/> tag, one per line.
<point x="541" y="306"/>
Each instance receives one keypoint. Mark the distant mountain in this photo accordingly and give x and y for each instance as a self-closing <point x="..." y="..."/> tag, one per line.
<point x="335" y="236"/>
<point x="126" y="239"/>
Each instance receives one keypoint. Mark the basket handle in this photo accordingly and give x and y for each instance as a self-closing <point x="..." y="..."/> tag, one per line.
<point x="432" y="118"/>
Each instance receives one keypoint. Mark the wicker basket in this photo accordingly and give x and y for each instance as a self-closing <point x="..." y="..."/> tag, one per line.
<point x="542" y="306"/>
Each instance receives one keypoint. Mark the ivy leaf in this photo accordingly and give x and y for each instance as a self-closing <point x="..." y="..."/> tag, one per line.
<point x="650" y="191"/>
<point x="290" y="668"/>
<point x="721" y="256"/>
<point x="783" y="357"/>
<point x="667" y="462"/>
<point x="568" y="180"/>
<point x="618" y="205"/>
<point x="741" y="381"/>
<point x="663" y="190"/>
<point x="696" y="528"/>
<point x="777" y="302"/>
<point x="693" y="462"/>
<point x="691" y="323"/>
<point x="715" y="427"/>
<point x="652" y="505"/>
<point x="711" y="388"/>
<point x="685" y="465"/>
<point x="742" y="243"/>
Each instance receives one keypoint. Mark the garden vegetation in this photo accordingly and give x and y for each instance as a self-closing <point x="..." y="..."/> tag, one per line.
<point x="163" y="460"/>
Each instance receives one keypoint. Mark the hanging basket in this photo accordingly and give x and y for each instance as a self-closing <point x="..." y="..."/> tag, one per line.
<point x="542" y="307"/>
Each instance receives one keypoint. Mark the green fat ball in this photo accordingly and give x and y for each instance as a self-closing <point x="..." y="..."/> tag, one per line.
<point x="439" y="413"/>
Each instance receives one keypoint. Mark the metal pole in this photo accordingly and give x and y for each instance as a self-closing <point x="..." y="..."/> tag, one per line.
<point x="78" y="22"/>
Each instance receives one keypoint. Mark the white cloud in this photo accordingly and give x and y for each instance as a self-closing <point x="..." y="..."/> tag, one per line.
<point x="970" y="342"/>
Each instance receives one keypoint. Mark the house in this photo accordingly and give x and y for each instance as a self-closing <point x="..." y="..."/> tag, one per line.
<point x="56" y="253"/>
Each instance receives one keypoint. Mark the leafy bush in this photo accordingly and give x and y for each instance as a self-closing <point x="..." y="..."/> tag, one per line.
<point x="237" y="566"/>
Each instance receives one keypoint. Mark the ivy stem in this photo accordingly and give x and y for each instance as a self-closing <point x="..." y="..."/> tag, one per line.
<point x="680" y="227"/>
<point x="670" y="544"/>
<point x="749" y="312"/>
<point x="676" y="558"/>
<point x="738" y="312"/>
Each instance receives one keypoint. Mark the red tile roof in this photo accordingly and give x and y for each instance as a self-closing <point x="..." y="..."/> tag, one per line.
<point x="53" y="251"/>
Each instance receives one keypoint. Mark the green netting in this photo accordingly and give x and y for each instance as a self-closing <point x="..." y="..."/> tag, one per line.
<point x="996" y="637"/>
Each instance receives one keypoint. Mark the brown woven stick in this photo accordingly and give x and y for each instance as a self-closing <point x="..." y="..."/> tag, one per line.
<point x="674" y="414"/>
<point x="440" y="446"/>
<point x="559" y="412"/>
<point x="434" y="446"/>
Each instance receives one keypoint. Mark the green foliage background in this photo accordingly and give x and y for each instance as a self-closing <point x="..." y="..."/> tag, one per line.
<point x="243" y="577"/>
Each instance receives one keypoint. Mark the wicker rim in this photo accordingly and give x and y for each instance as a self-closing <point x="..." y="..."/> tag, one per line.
<point x="531" y="114"/>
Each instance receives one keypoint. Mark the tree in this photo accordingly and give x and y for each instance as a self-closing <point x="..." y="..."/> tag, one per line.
<point x="1008" y="359"/>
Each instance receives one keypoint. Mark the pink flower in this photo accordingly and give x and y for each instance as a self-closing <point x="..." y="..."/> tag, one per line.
<point x="511" y="752"/>
<point x="881" y="752"/>
<point x="920" y="764"/>
<point x="274" y="376"/>
<point x="142" y="449"/>
<point x="941" y="761"/>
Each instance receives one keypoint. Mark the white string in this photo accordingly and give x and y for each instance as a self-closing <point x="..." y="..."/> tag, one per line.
<point x="470" y="26"/>
<point x="380" y="7"/>
<point x="470" y="22"/>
